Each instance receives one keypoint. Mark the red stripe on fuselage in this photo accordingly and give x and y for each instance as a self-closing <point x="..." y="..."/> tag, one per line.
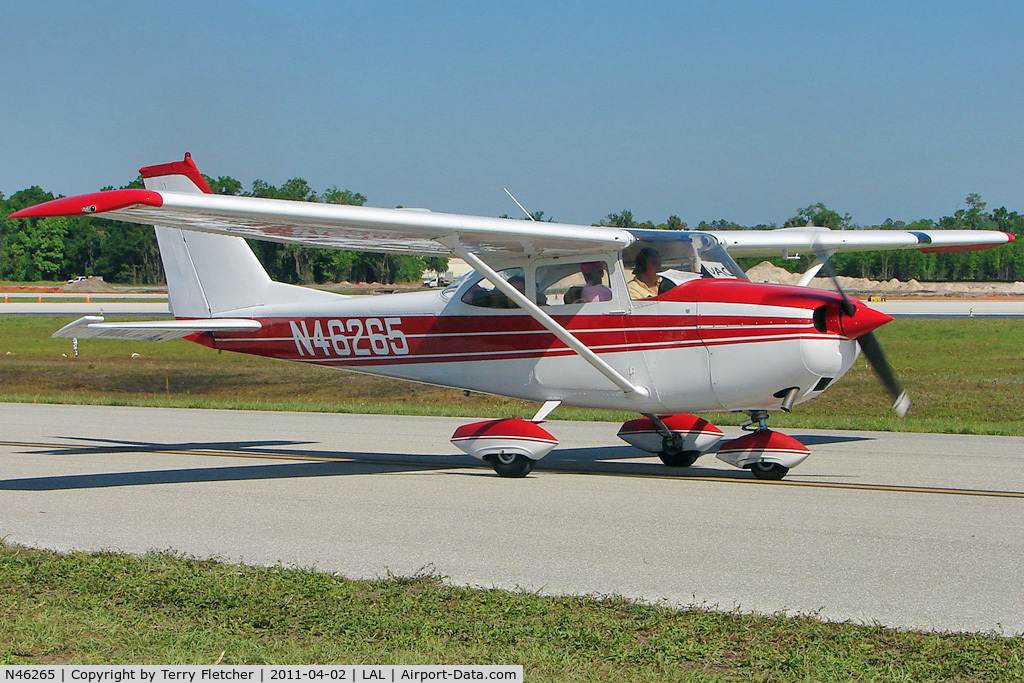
<point x="387" y="340"/>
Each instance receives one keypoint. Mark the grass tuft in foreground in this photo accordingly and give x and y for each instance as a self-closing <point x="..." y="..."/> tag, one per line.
<point x="160" y="608"/>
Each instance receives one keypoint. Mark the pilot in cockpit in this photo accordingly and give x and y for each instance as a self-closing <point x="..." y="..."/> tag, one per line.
<point x="646" y="282"/>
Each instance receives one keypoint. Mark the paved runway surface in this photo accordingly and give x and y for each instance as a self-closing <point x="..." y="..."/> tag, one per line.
<point x="912" y="530"/>
<point x="956" y="308"/>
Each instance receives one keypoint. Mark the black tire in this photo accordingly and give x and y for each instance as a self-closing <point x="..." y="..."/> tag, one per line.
<point x="679" y="458"/>
<point x="512" y="466"/>
<point x="771" y="471"/>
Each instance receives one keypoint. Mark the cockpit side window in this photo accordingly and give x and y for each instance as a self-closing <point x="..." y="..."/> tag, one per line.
<point x="573" y="283"/>
<point x="486" y="295"/>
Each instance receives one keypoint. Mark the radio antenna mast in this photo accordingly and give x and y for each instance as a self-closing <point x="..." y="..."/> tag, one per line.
<point x="528" y="214"/>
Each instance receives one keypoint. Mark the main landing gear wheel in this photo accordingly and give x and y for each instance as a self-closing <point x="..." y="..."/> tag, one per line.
<point x="672" y="453"/>
<point x="679" y="458"/>
<point x="511" y="465"/>
<point x="771" y="471"/>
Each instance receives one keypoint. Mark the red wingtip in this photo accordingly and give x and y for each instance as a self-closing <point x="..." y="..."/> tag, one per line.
<point x="187" y="168"/>
<point x="1009" y="237"/>
<point x="86" y="204"/>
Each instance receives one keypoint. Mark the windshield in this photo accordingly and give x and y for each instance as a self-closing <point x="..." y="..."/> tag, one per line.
<point x="684" y="255"/>
<point x="451" y="289"/>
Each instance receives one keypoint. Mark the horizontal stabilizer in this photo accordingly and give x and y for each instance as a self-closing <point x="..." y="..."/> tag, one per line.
<point x="93" y="327"/>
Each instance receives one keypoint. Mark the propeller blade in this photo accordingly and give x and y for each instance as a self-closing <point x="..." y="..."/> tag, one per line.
<point x="826" y="263"/>
<point x="869" y="344"/>
<point x="876" y="357"/>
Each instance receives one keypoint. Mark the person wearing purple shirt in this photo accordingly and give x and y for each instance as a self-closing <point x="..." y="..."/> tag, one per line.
<point x="595" y="289"/>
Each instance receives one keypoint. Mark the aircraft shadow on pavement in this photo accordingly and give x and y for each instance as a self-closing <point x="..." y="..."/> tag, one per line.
<point x="608" y="460"/>
<point x="192" y="475"/>
<point x="624" y="460"/>
<point x="818" y="439"/>
<point x="327" y="463"/>
<point x="104" y="446"/>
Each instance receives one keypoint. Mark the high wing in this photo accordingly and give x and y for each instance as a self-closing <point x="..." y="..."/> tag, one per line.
<point x="420" y="231"/>
<point x="808" y="240"/>
<point x="337" y="226"/>
<point x="191" y="206"/>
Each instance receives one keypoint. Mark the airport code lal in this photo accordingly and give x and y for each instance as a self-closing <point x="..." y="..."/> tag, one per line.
<point x="70" y="673"/>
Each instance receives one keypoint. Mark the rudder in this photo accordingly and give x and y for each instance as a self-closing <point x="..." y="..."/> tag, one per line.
<point x="206" y="274"/>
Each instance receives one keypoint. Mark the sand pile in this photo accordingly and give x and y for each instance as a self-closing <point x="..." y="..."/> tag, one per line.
<point x="767" y="272"/>
<point x="92" y="284"/>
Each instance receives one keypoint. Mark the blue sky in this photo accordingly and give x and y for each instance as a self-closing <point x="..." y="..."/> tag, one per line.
<point x="739" y="110"/>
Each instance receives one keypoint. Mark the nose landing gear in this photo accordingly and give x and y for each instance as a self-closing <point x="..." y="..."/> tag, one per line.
<point x="767" y="454"/>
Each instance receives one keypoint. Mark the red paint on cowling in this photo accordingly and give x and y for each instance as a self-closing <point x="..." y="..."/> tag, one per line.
<point x="863" y="320"/>
<point x="187" y="167"/>
<point x="510" y="428"/>
<point x="683" y="423"/>
<point x="763" y="440"/>
<point x="88" y="204"/>
<point x="746" y="292"/>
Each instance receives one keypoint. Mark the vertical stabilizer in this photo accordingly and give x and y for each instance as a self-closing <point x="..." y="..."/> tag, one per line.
<point x="206" y="274"/>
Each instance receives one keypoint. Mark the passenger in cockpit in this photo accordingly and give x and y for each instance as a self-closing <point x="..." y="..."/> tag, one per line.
<point x="595" y="289"/>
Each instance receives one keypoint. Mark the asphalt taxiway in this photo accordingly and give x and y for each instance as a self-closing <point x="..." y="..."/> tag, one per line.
<point x="909" y="530"/>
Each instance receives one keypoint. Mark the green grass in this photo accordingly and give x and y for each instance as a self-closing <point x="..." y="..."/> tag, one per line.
<point x="89" y="608"/>
<point x="963" y="375"/>
<point x="34" y="283"/>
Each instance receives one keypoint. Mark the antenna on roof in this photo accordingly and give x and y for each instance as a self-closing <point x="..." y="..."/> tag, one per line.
<point x="528" y="214"/>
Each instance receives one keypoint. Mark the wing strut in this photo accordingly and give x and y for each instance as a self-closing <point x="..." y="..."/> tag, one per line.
<point x="815" y="268"/>
<point x="546" y="320"/>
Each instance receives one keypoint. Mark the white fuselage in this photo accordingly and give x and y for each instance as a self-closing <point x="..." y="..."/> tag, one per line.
<point x="708" y="345"/>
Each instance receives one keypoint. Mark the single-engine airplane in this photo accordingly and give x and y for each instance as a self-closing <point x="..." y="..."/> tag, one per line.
<point x="546" y="315"/>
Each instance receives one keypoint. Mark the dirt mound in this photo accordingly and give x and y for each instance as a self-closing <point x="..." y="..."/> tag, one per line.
<point x="768" y="272"/>
<point x="92" y="284"/>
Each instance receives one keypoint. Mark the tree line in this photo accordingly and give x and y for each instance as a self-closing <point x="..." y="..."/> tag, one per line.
<point x="1001" y="264"/>
<point x="58" y="248"/>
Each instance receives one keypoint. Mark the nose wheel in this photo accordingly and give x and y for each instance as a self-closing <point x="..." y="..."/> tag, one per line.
<point x="769" y="471"/>
<point x="511" y="465"/>
<point x="769" y="455"/>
